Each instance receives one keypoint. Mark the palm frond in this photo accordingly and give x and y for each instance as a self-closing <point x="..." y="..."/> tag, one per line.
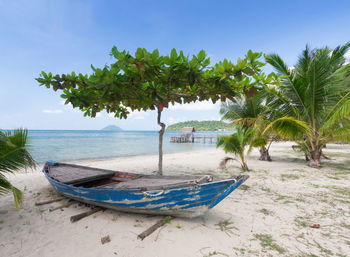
<point x="288" y="128"/>
<point x="6" y="186"/>
<point x="14" y="153"/>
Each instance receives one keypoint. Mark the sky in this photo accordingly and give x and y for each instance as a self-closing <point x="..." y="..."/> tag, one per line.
<point x="65" y="36"/>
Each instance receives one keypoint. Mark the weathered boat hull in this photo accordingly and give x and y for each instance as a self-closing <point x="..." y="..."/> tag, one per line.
<point x="189" y="201"/>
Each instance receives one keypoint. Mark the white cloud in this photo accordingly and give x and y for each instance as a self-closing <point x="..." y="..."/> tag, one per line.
<point x="197" y="106"/>
<point x="171" y="120"/>
<point x="53" y="111"/>
<point x="98" y="114"/>
<point x="347" y="57"/>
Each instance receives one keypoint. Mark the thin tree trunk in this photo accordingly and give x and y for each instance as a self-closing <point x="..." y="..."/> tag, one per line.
<point x="244" y="164"/>
<point x="315" y="153"/>
<point x="264" y="154"/>
<point x="315" y="157"/>
<point x="160" y="146"/>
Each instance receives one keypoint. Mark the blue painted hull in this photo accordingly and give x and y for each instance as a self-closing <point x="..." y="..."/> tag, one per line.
<point x="189" y="201"/>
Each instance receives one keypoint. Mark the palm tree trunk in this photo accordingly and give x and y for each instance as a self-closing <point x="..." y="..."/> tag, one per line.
<point x="160" y="145"/>
<point x="244" y="164"/>
<point x="315" y="157"/>
<point x="264" y="154"/>
<point x="315" y="153"/>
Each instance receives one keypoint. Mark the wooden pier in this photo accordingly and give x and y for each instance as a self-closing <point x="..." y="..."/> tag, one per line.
<point x="194" y="139"/>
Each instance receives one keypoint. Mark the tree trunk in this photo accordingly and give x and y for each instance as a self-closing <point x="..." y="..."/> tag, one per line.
<point x="315" y="152"/>
<point x="244" y="164"/>
<point x="264" y="154"/>
<point x="315" y="157"/>
<point x="160" y="146"/>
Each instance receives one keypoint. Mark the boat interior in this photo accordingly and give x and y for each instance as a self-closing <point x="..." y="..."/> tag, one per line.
<point x="87" y="177"/>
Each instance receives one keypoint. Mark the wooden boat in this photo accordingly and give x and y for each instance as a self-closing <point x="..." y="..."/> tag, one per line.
<point x="184" y="196"/>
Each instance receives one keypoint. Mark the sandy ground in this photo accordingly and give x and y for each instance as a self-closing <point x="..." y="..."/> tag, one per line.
<point x="270" y="215"/>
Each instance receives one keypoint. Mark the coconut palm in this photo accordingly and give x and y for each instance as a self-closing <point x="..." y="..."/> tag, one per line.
<point x="14" y="155"/>
<point x="316" y="91"/>
<point x="236" y="144"/>
<point x="251" y="112"/>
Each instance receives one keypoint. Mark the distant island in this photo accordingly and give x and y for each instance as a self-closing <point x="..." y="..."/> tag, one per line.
<point x="112" y="127"/>
<point x="208" y="125"/>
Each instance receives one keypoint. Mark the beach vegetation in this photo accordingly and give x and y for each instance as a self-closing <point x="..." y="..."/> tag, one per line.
<point x="251" y="112"/>
<point x="237" y="144"/>
<point x="315" y="96"/>
<point x="149" y="81"/>
<point x="14" y="155"/>
<point x="265" y="211"/>
<point x="267" y="242"/>
<point x="226" y="226"/>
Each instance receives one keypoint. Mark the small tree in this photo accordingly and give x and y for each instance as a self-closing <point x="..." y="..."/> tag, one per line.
<point x="148" y="81"/>
<point x="236" y="144"/>
<point x="251" y="112"/>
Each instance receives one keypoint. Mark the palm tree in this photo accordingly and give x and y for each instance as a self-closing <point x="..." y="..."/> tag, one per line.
<point x="236" y="144"/>
<point x="251" y="111"/>
<point x="13" y="156"/>
<point x="315" y="92"/>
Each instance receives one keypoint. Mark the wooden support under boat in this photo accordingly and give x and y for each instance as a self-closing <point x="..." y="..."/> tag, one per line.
<point x="150" y="230"/>
<point x="84" y="214"/>
<point x="69" y="203"/>
<point x="49" y="201"/>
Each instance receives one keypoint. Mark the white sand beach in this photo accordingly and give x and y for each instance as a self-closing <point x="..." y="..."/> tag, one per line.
<point x="270" y="215"/>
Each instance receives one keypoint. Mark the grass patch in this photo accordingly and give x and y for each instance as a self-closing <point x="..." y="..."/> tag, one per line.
<point x="266" y="211"/>
<point x="226" y="226"/>
<point x="333" y="177"/>
<point x="266" y="241"/>
<point x="345" y="225"/>
<point x="345" y="191"/>
<point x="338" y="166"/>
<point x="323" y="250"/>
<point x="178" y="226"/>
<point x="244" y="187"/>
<point x="266" y="189"/>
<point x="285" y="177"/>
<point x="300" y="221"/>
<point x="240" y="250"/>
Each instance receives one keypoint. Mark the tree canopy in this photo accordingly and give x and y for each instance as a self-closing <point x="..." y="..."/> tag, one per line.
<point x="149" y="81"/>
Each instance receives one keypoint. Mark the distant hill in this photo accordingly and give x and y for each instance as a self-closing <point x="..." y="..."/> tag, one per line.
<point x="208" y="125"/>
<point x="112" y="127"/>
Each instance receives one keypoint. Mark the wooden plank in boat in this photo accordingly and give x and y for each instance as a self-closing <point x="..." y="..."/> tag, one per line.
<point x="148" y="183"/>
<point x="73" y="174"/>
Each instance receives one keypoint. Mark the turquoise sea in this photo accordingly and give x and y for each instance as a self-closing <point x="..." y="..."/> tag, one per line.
<point x="65" y="145"/>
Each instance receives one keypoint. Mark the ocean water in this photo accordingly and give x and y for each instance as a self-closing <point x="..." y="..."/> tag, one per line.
<point x="65" y="145"/>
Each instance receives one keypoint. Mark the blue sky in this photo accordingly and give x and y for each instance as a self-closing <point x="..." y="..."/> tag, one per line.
<point x="62" y="36"/>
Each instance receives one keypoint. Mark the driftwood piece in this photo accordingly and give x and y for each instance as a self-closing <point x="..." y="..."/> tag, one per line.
<point x="105" y="239"/>
<point x="69" y="203"/>
<point x="153" y="228"/>
<point x="84" y="214"/>
<point x="49" y="201"/>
